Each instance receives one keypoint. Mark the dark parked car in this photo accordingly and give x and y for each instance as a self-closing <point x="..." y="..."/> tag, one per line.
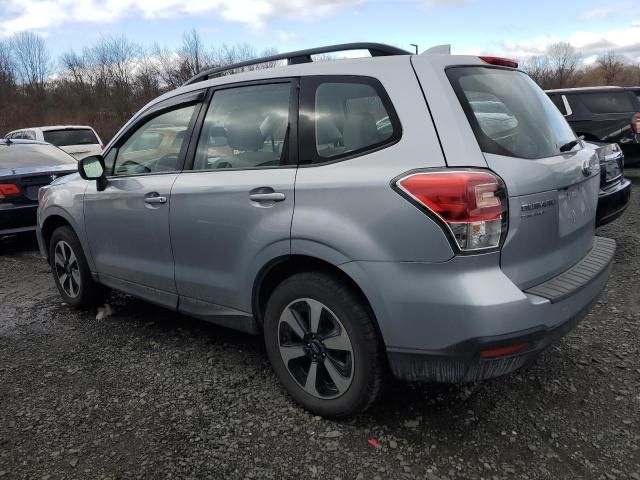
<point x="603" y="114"/>
<point x="25" y="166"/>
<point x="615" y="190"/>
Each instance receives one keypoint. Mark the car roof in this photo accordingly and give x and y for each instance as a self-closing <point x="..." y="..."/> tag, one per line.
<point x="362" y="66"/>
<point x="55" y="127"/>
<point x="612" y="88"/>
<point x="4" y="141"/>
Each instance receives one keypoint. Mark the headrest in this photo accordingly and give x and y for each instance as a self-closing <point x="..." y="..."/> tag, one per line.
<point x="360" y="130"/>
<point x="243" y="131"/>
<point x="326" y="131"/>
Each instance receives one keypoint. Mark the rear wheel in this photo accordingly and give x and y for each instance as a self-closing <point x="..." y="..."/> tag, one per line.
<point x="323" y="345"/>
<point x="71" y="272"/>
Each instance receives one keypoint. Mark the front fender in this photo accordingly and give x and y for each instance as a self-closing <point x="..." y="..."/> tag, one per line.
<point x="66" y="203"/>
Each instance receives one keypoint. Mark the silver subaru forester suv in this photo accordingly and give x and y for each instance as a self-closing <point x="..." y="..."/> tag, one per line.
<point x="429" y="216"/>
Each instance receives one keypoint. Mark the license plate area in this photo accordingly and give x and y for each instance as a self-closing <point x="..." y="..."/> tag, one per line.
<point x="573" y="208"/>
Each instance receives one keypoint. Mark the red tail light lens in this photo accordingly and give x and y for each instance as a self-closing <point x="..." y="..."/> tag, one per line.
<point x="503" y="62"/>
<point x="635" y="123"/>
<point x="9" y="189"/>
<point x="470" y="204"/>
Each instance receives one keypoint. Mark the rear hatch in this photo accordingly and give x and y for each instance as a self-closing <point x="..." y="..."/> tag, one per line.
<point x="552" y="180"/>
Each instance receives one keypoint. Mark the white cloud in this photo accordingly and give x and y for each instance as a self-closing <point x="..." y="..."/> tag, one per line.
<point x="38" y="15"/>
<point x="597" y="13"/>
<point x="623" y="41"/>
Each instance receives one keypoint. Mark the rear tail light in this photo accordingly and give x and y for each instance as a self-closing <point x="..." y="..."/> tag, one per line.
<point x="503" y="62"/>
<point x="8" y="189"/>
<point x="635" y="123"/>
<point x="471" y="205"/>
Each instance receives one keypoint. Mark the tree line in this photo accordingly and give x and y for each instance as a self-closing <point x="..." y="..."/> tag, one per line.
<point x="562" y="66"/>
<point x="104" y="84"/>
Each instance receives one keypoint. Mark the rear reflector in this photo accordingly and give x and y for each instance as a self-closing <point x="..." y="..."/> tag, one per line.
<point x="503" y="62"/>
<point x="635" y="123"/>
<point x="504" y="351"/>
<point x="9" y="189"/>
<point x="468" y="203"/>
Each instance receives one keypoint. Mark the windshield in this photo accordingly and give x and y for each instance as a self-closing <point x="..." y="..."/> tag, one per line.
<point x="67" y="137"/>
<point x="18" y="155"/>
<point x="510" y="115"/>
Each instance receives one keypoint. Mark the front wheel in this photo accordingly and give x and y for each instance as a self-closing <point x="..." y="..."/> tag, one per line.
<point x="71" y="272"/>
<point x="322" y="343"/>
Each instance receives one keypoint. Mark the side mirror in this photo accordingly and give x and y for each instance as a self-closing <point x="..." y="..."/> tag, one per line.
<point x="92" y="168"/>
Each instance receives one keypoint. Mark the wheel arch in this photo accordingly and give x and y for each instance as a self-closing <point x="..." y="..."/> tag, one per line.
<point x="281" y="268"/>
<point x="49" y="225"/>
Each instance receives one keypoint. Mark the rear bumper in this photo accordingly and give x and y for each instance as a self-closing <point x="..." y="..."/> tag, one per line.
<point x="613" y="202"/>
<point x="439" y="321"/>
<point x="17" y="219"/>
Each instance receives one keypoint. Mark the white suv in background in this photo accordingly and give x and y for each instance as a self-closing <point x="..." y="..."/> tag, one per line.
<point x="77" y="140"/>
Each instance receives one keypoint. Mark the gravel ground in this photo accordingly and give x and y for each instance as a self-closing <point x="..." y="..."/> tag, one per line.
<point x="146" y="393"/>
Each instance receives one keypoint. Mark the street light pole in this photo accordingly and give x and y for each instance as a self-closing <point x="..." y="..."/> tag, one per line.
<point x="415" y="46"/>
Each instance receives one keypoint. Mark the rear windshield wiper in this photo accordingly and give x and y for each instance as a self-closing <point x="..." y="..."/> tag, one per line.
<point x="569" y="145"/>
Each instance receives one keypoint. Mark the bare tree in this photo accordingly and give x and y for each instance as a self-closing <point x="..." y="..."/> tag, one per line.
<point x="564" y="61"/>
<point x="32" y="59"/>
<point x="611" y="67"/>
<point x="192" y="53"/>
<point x="538" y="69"/>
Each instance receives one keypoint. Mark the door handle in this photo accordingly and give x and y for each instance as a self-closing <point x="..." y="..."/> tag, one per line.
<point x="155" y="200"/>
<point x="267" y="197"/>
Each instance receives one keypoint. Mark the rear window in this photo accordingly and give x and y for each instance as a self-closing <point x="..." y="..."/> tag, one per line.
<point x="32" y="155"/>
<point x="64" y="138"/>
<point x="509" y="114"/>
<point x="611" y="102"/>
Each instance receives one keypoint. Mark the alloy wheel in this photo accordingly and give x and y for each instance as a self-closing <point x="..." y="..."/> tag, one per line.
<point x="67" y="269"/>
<point x="316" y="348"/>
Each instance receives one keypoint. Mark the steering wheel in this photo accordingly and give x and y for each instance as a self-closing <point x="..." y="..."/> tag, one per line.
<point x="133" y="167"/>
<point x="168" y="162"/>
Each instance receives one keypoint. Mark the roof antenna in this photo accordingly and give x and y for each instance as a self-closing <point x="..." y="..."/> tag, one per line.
<point x="438" y="50"/>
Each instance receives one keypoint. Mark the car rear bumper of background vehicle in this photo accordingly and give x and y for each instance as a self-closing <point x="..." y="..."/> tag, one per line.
<point x="453" y="322"/>
<point x="17" y="219"/>
<point x="612" y="202"/>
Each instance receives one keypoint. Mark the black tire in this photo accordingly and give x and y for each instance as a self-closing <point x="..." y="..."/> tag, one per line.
<point x="88" y="293"/>
<point x="338" y="300"/>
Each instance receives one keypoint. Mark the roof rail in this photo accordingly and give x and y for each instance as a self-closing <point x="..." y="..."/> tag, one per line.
<point x="302" y="56"/>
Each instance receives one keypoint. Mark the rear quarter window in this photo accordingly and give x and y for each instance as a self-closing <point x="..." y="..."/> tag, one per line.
<point x="608" y="102"/>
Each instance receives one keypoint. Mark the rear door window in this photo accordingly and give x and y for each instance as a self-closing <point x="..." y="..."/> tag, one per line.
<point x="67" y="137"/>
<point x="608" y="102"/>
<point x="344" y="117"/>
<point x="509" y="114"/>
